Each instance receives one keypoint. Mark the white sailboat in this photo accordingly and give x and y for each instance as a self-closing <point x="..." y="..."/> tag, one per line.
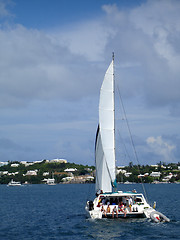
<point x="14" y="183"/>
<point x="110" y="203"/>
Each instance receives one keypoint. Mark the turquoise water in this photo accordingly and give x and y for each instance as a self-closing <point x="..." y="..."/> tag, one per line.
<point x="57" y="212"/>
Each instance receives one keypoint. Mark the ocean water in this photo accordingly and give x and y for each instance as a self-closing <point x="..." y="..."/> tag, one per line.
<point x="57" y="212"/>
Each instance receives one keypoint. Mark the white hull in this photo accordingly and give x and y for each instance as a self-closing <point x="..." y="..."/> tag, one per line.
<point x="13" y="183"/>
<point x="98" y="210"/>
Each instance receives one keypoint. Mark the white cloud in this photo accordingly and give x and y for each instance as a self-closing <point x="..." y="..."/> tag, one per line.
<point x="46" y="65"/>
<point x="162" y="148"/>
<point x="88" y="39"/>
<point x="35" y="66"/>
<point x="158" y="21"/>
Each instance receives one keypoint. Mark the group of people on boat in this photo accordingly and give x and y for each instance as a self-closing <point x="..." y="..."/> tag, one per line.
<point x="121" y="208"/>
<point x="115" y="207"/>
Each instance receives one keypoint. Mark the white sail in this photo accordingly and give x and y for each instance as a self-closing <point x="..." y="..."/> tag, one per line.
<point x="105" y="140"/>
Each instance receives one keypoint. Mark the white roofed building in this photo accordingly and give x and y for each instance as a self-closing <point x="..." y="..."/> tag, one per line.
<point x="31" y="173"/>
<point x="3" y="163"/>
<point x="70" y="170"/>
<point x="45" y="173"/>
<point x="155" y="174"/>
<point x="15" y="165"/>
<point x="57" y="160"/>
<point x="127" y="174"/>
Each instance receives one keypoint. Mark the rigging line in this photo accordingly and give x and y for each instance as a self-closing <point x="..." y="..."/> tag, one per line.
<point x="126" y="151"/>
<point x="112" y="184"/>
<point x="132" y="142"/>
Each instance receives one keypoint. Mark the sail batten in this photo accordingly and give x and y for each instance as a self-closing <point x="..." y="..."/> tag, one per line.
<point x="105" y="140"/>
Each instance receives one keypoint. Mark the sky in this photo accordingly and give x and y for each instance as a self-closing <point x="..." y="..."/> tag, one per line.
<point x="53" y="57"/>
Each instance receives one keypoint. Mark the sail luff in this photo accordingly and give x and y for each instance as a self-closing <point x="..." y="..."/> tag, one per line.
<point x="105" y="141"/>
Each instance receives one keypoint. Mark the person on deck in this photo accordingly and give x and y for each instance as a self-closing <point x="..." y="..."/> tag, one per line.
<point x="130" y="202"/>
<point x="103" y="210"/>
<point x="108" y="210"/>
<point x="125" y="210"/>
<point x="122" y="208"/>
<point x="114" y="212"/>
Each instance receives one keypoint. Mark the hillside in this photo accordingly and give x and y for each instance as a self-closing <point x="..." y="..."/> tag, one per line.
<point x="38" y="171"/>
<point x="64" y="172"/>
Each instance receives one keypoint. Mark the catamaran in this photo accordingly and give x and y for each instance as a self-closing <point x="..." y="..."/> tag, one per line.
<point x="110" y="203"/>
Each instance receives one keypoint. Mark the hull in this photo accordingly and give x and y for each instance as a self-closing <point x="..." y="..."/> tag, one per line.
<point x="119" y="205"/>
<point x="128" y="215"/>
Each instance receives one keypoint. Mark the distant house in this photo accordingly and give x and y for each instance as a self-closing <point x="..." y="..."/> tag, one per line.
<point x="67" y="179"/>
<point x="12" y="174"/>
<point x="89" y="178"/>
<point x="140" y="175"/>
<point x="143" y="175"/>
<point x="3" y="163"/>
<point x="27" y="163"/>
<point x="146" y="174"/>
<point x="31" y="173"/>
<point x="70" y="170"/>
<point x="38" y="161"/>
<point x="88" y="169"/>
<point x="23" y="162"/>
<point x="45" y="173"/>
<point x="163" y="166"/>
<point x="155" y="174"/>
<point x="57" y="160"/>
<point x="154" y="166"/>
<point x="168" y="177"/>
<point x="127" y="174"/>
<point x="15" y="165"/>
<point x="121" y="171"/>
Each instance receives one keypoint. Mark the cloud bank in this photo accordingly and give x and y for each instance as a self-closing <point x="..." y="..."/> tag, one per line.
<point x="65" y="65"/>
<point x="46" y="65"/>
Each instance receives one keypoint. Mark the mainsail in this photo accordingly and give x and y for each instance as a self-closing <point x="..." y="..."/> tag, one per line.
<point x="105" y="139"/>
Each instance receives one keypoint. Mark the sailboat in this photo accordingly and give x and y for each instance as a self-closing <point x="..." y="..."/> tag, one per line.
<point x="14" y="183"/>
<point x="51" y="181"/>
<point x="110" y="203"/>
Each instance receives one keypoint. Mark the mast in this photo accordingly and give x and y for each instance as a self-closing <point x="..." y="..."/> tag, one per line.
<point x="115" y="183"/>
<point x="113" y="56"/>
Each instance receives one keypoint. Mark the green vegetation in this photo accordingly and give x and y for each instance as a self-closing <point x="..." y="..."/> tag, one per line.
<point x="143" y="173"/>
<point x="19" y="173"/>
<point x="131" y="173"/>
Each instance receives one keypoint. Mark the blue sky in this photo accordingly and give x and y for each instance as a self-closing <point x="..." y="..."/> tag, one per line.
<point x="53" y="58"/>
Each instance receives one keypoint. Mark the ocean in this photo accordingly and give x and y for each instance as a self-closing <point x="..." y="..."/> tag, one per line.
<point x="45" y="212"/>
